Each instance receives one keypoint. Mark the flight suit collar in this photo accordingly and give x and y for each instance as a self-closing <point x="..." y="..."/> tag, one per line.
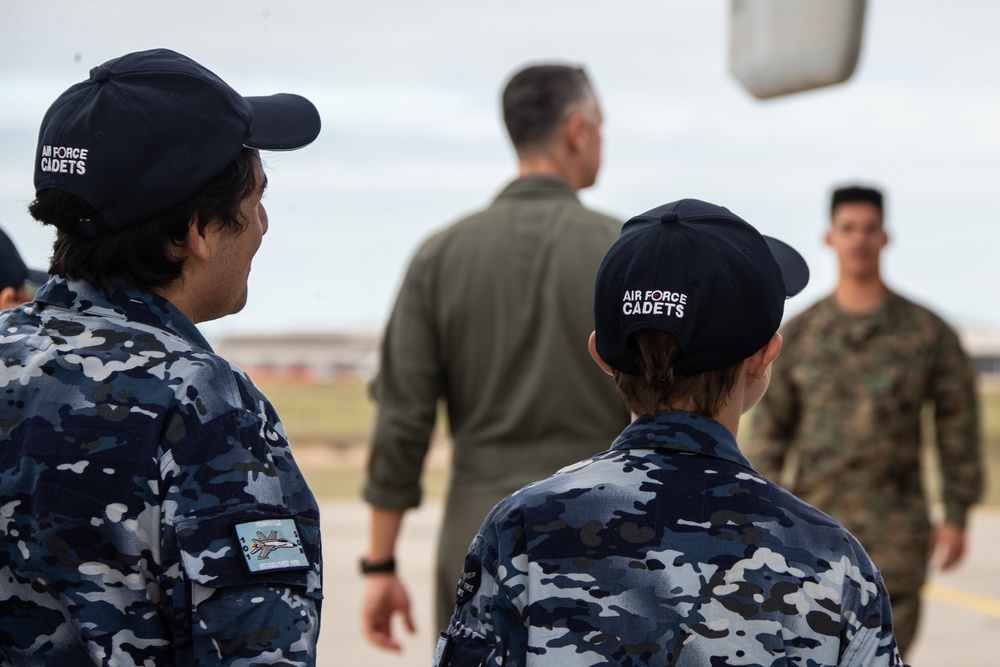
<point x="537" y="186"/>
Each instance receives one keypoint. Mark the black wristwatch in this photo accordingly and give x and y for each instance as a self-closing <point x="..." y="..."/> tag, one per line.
<point x="387" y="566"/>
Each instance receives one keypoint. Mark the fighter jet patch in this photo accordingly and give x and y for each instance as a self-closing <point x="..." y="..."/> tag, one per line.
<point x="271" y="544"/>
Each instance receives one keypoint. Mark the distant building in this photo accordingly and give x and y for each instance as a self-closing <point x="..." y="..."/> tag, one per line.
<point x="311" y="357"/>
<point x="335" y="356"/>
<point x="983" y="345"/>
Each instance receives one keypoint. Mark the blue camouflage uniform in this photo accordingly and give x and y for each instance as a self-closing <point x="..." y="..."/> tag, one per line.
<point x="668" y="549"/>
<point x="150" y="509"/>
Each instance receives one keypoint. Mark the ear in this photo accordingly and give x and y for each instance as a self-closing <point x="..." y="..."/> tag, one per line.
<point x="199" y="241"/>
<point x="8" y="298"/>
<point x="592" y="346"/>
<point x="828" y="237"/>
<point x="759" y="363"/>
<point x="575" y="132"/>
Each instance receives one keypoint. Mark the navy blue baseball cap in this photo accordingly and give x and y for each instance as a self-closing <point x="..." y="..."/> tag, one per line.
<point x="13" y="271"/>
<point x="148" y="130"/>
<point x="701" y="273"/>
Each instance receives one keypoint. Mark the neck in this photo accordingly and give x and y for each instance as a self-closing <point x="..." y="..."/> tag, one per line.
<point x="545" y="165"/>
<point x="729" y="417"/>
<point x="179" y="298"/>
<point x="860" y="294"/>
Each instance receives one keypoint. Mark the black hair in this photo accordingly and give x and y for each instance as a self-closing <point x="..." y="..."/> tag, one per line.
<point x="141" y="253"/>
<point x="536" y="99"/>
<point x="856" y="193"/>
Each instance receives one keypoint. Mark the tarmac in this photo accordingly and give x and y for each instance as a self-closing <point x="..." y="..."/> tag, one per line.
<point x="960" y="624"/>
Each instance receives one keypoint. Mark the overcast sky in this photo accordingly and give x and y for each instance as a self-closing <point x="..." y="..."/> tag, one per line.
<point x="412" y="136"/>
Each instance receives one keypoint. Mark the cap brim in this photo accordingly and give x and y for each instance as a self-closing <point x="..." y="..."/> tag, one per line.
<point x="794" y="270"/>
<point x="282" y="122"/>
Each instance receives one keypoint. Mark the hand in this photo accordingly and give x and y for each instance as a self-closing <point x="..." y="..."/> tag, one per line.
<point x="384" y="595"/>
<point x="947" y="546"/>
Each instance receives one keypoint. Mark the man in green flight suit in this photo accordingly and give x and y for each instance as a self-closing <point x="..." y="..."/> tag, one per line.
<point x="493" y="317"/>
<point x="855" y="371"/>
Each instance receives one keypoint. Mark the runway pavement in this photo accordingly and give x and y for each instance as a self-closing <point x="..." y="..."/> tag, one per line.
<point x="960" y="626"/>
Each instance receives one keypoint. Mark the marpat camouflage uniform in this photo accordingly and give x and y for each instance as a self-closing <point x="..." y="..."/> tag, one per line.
<point x="134" y="463"/>
<point x="845" y="397"/>
<point x="668" y="549"/>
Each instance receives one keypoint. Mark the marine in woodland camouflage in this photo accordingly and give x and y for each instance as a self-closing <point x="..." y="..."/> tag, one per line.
<point x="845" y="402"/>
<point x="129" y="456"/>
<point x="668" y="549"/>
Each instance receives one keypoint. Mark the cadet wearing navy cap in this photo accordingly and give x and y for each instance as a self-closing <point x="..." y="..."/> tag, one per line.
<point x="669" y="549"/>
<point x="152" y="511"/>
<point x="18" y="283"/>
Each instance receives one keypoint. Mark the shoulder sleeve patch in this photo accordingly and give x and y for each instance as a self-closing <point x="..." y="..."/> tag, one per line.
<point x="472" y="575"/>
<point x="271" y="544"/>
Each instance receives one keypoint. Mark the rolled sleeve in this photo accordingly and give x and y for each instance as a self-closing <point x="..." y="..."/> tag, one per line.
<point x="407" y="389"/>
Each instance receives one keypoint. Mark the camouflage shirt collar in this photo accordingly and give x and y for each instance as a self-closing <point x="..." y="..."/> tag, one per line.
<point x="683" y="432"/>
<point x="123" y="302"/>
<point x="884" y="313"/>
<point x="856" y="328"/>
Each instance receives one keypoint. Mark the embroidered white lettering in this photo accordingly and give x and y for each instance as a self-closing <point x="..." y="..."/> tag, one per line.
<point x="653" y="302"/>
<point x="64" y="160"/>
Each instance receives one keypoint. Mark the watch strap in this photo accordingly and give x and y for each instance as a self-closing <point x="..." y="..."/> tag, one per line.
<point x="387" y="566"/>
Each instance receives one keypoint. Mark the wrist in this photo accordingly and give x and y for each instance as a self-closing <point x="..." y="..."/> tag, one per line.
<point x="380" y="566"/>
